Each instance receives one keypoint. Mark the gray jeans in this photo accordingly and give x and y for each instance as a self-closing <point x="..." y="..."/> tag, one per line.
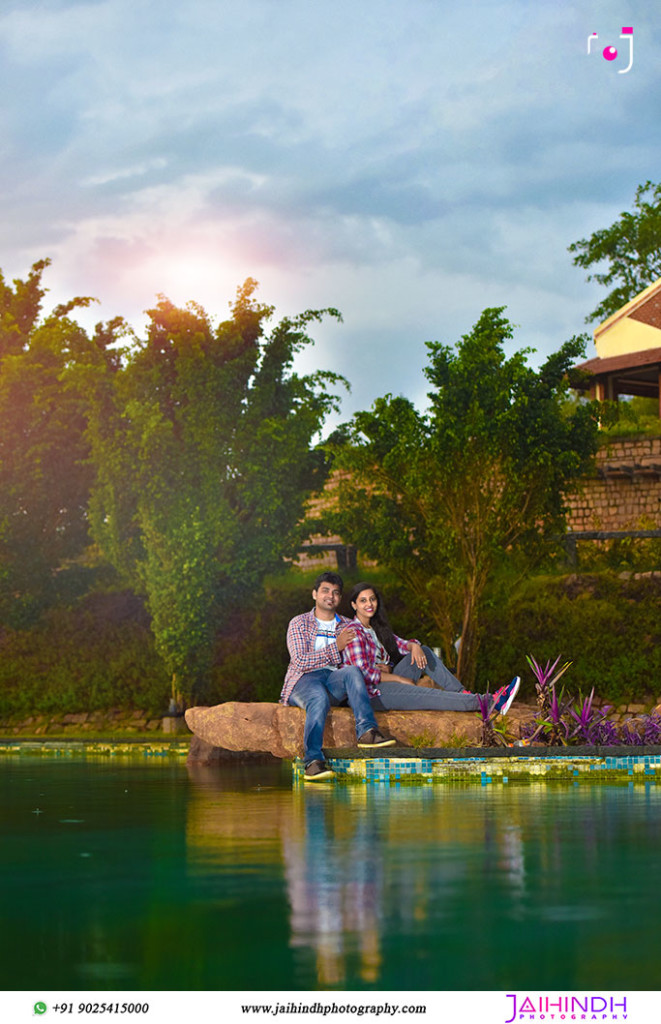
<point x="402" y="697"/>
<point x="434" y="668"/>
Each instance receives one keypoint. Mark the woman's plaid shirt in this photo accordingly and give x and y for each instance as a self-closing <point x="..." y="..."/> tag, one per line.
<point x="364" y="654"/>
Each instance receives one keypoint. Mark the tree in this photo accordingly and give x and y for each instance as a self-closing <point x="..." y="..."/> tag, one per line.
<point x="446" y="497"/>
<point x="631" y="248"/>
<point x="45" y="474"/>
<point x="202" y="447"/>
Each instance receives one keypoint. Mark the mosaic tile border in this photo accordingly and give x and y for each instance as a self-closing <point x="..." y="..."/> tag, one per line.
<point x="414" y="770"/>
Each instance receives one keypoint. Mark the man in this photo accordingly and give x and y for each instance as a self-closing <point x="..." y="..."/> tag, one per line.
<point x="316" y="680"/>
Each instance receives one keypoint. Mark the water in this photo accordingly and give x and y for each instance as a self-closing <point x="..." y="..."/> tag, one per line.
<point x="145" y="875"/>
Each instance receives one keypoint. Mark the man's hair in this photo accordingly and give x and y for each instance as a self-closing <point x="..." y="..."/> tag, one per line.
<point x="329" y="577"/>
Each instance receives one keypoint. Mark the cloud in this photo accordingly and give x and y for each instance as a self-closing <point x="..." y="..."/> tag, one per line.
<point x="410" y="164"/>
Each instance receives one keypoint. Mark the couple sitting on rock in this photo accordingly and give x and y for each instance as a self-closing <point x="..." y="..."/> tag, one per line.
<point x="360" y="662"/>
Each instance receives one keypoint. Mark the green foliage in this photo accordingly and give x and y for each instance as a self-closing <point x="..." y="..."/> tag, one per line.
<point x="45" y="474"/>
<point x="94" y="655"/>
<point x="445" y="499"/>
<point x="98" y="652"/>
<point x="608" y="627"/>
<point x="631" y="249"/>
<point x="187" y="455"/>
<point x="201" y="443"/>
<point x="629" y="419"/>
<point x="627" y="554"/>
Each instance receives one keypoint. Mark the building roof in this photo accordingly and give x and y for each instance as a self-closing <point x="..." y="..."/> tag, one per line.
<point x="645" y="307"/>
<point x="615" y="364"/>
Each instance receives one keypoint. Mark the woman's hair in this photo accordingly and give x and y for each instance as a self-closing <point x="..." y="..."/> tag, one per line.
<point x="379" y="621"/>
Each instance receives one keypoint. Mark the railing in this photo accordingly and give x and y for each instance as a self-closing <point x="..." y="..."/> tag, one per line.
<point x="570" y="539"/>
<point x="344" y="553"/>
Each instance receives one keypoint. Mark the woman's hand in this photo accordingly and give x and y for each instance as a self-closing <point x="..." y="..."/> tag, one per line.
<point x="418" y="655"/>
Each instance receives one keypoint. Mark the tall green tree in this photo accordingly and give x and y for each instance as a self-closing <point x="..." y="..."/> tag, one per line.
<point x="202" y="446"/>
<point x="444" y="498"/>
<point x="45" y="475"/>
<point x="630" y="250"/>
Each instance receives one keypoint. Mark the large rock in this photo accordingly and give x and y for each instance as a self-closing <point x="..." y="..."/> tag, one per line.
<point x="278" y="730"/>
<point x="208" y="755"/>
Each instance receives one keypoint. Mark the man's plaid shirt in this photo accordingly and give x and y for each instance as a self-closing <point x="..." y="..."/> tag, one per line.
<point x="301" y="639"/>
<point x="364" y="654"/>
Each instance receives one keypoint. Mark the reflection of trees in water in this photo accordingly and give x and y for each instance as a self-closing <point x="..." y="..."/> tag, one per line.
<point x="335" y="883"/>
<point x="410" y="887"/>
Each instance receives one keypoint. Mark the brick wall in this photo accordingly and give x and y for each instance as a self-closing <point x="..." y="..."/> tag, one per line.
<point x="625" y="493"/>
<point x="649" y="312"/>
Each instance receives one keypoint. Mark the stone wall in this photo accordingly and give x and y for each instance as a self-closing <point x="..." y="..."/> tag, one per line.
<point x="109" y="722"/>
<point x="625" y="492"/>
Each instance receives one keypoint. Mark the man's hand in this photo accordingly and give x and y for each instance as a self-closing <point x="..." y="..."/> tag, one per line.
<point x="346" y="636"/>
<point x="418" y="656"/>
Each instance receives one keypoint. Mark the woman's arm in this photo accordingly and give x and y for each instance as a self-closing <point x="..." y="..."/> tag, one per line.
<point x="418" y="656"/>
<point x="412" y="647"/>
<point x="391" y="677"/>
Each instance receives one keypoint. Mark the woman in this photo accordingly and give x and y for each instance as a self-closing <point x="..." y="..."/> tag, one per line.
<point x="392" y="666"/>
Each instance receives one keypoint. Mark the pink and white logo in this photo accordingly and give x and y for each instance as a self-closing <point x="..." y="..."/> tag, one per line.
<point x="577" y="1006"/>
<point x="609" y="53"/>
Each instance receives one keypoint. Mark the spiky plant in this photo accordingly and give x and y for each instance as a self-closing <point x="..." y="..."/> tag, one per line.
<point x="491" y="735"/>
<point x="589" y="720"/>
<point x="546" y="680"/>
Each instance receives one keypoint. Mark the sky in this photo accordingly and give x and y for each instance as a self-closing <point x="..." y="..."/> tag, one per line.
<point x="409" y="162"/>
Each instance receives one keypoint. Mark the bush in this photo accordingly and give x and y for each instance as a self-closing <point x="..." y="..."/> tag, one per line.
<point x="609" y="627"/>
<point x="92" y="656"/>
<point x="99" y="652"/>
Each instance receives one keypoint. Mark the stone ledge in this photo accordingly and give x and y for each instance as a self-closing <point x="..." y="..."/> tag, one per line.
<point x="278" y="730"/>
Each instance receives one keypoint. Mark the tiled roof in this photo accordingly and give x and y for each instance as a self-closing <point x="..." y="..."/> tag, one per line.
<point x="629" y="361"/>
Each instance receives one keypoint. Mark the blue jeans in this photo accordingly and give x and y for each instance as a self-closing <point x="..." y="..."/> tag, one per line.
<point x="316" y="692"/>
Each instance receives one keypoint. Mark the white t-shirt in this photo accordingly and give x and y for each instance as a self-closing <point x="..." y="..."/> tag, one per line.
<point x="326" y="630"/>
<point x="381" y="652"/>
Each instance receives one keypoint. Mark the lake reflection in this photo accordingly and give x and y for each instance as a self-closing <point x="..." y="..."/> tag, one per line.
<point x="450" y="887"/>
<point x="137" y="875"/>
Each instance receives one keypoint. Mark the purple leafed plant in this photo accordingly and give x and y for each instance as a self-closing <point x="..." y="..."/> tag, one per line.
<point x="556" y="727"/>
<point x="546" y="679"/>
<point x="551" y="728"/>
<point x="652" y="728"/>
<point x="490" y="737"/>
<point x="606" y="733"/>
<point x="588" y="720"/>
<point x="630" y="736"/>
<point x="559" y="723"/>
